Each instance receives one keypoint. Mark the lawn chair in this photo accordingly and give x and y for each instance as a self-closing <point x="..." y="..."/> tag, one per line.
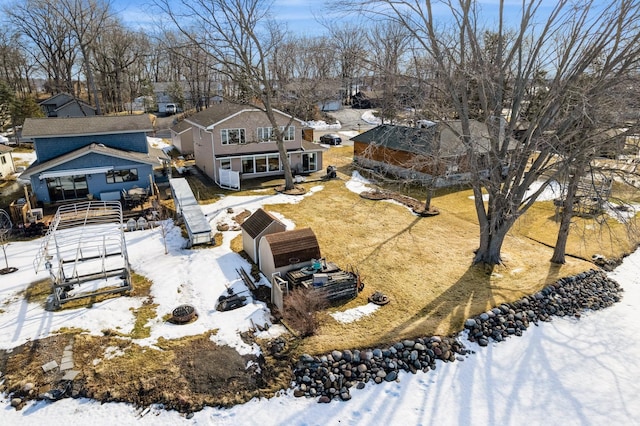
<point x="131" y="224"/>
<point x="128" y="200"/>
<point x="142" y="223"/>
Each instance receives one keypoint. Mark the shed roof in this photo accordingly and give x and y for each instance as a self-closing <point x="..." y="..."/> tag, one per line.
<point x="258" y="222"/>
<point x="298" y="245"/>
<point x="91" y="125"/>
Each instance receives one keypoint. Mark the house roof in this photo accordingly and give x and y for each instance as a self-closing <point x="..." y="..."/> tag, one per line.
<point x="153" y="158"/>
<point x="181" y="127"/>
<point x="310" y="146"/>
<point x="423" y="140"/>
<point x="62" y="99"/>
<point x="56" y="99"/>
<point x="298" y="245"/>
<point x="258" y="222"/>
<point x="4" y="149"/>
<point x="218" y="113"/>
<point x="78" y="126"/>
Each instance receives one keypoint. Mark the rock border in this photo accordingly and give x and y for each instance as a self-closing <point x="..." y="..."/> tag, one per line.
<point x="331" y="376"/>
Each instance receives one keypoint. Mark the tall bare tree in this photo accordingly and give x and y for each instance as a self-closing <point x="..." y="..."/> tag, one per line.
<point x="349" y="43"/>
<point x="388" y="43"/>
<point x="86" y="20"/>
<point x="53" y="46"/>
<point x="240" y="38"/>
<point x="486" y="76"/>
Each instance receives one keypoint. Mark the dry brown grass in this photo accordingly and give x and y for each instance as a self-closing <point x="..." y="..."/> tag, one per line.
<point x="424" y="264"/>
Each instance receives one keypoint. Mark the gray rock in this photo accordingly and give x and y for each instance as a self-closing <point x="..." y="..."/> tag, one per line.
<point x="336" y="355"/>
<point x="391" y="376"/>
<point x="16" y="402"/>
<point x="470" y="323"/>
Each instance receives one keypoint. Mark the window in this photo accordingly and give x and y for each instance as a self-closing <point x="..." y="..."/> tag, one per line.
<point x="232" y="136"/>
<point x="119" y="176"/>
<point x="273" y="162"/>
<point x="266" y="134"/>
<point x="4" y="160"/>
<point x="225" y="164"/>
<point x="288" y="134"/>
<point x="247" y="165"/>
<point x="261" y="164"/>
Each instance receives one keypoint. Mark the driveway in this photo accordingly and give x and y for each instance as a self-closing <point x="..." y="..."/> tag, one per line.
<point x="351" y="119"/>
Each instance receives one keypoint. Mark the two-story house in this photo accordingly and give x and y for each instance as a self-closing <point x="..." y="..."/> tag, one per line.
<point x="90" y="157"/>
<point x="233" y="142"/>
<point x="65" y="105"/>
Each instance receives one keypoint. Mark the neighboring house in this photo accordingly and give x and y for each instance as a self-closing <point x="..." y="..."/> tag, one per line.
<point x="367" y="99"/>
<point x="182" y="137"/>
<point x="90" y="157"/>
<point x="65" y="105"/>
<point x="7" y="167"/>
<point x="284" y="251"/>
<point x="432" y="151"/>
<point x="256" y="226"/>
<point x="234" y="142"/>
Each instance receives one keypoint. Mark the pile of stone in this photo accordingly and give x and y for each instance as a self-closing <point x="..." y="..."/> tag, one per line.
<point x="590" y="290"/>
<point x="332" y="376"/>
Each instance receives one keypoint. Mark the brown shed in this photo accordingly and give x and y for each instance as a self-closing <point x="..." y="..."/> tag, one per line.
<point x="256" y="226"/>
<point x="284" y="251"/>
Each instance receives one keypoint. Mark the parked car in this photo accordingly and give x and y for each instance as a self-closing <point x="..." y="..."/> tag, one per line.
<point x="171" y="109"/>
<point x="331" y="139"/>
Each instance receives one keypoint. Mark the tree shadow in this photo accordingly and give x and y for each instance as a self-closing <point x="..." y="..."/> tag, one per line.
<point x="470" y="295"/>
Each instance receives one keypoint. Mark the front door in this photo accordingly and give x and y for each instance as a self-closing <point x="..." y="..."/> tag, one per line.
<point x="309" y="163"/>
<point x="67" y="188"/>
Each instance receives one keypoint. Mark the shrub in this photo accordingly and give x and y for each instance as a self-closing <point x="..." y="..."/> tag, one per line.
<point x="301" y="311"/>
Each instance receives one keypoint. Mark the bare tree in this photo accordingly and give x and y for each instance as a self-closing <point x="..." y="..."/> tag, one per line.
<point x="115" y="56"/>
<point x="86" y="19"/>
<point x="240" y="39"/>
<point x="484" y="76"/>
<point x="388" y="43"/>
<point x="348" y="41"/>
<point x="53" y="46"/>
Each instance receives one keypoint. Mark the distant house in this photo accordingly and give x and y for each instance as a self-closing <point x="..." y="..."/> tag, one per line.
<point x="7" y="167"/>
<point x="431" y="151"/>
<point x="366" y="99"/>
<point x="90" y="157"/>
<point x="65" y="105"/>
<point x="182" y="137"/>
<point x="284" y="251"/>
<point x="233" y="142"/>
<point x="256" y="226"/>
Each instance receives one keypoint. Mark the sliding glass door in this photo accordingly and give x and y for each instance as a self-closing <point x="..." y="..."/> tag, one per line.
<point x="66" y="188"/>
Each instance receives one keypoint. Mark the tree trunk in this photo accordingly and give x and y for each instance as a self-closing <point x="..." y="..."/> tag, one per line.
<point x="427" y="203"/>
<point x="288" y="175"/>
<point x="566" y="216"/>
<point x="490" y="246"/>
